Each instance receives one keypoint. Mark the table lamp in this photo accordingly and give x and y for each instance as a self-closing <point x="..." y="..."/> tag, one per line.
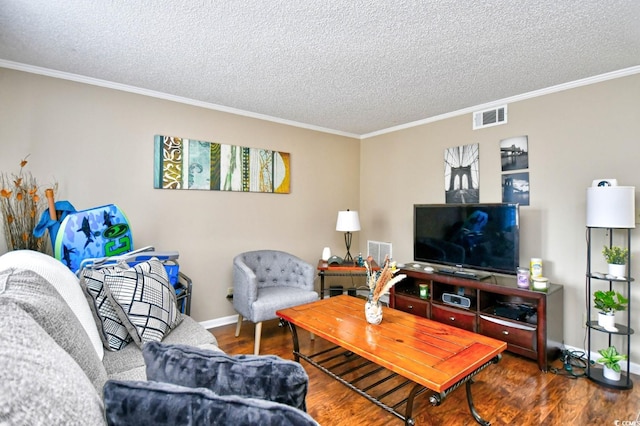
<point x="348" y="221"/>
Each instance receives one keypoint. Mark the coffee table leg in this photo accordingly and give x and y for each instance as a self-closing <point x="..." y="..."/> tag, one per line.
<point x="408" y="419"/>
<point x="472" y="408"/>
<point x="296" y="344"/>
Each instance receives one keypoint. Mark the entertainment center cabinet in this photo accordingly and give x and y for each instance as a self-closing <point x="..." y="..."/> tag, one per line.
<point x="529" y="321"/>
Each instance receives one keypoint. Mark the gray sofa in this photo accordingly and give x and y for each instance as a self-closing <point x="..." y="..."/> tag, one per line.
<point x="53" y="363"/>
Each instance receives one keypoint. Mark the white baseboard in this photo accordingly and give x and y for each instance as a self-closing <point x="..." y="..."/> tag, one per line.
<point x="219" y="322"/>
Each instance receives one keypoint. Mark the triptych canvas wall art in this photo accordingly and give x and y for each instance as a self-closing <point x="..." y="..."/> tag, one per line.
<point x="181" y="163"/>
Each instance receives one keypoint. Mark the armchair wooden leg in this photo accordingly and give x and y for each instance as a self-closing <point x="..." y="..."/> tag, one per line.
<point x="238" y="325"/>
<point x="256" y="345"/>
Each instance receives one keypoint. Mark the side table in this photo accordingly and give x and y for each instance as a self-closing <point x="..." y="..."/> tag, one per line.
<point x="342" y="270"/>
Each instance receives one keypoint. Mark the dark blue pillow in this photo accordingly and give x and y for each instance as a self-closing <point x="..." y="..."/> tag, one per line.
<point x="265" y="377"/>
<point x="134" y="403"/>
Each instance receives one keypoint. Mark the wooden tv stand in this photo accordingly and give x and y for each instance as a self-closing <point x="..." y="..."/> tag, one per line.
<point x="529" y="321"/>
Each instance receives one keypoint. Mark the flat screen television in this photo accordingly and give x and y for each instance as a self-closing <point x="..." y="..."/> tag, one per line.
<point x="475" y="236"/>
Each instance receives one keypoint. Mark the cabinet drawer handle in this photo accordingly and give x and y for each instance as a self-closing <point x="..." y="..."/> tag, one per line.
<point x="410" y="306"/>
<point x="505" y="332"/>
<point x="452" y="318"/>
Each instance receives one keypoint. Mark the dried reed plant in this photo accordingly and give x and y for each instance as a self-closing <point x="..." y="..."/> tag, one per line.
<point x="21" y="204"/>
<point x="380" y="282"/>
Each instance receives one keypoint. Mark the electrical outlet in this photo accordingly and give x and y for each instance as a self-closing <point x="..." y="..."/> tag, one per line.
<point x="229" y="291"/>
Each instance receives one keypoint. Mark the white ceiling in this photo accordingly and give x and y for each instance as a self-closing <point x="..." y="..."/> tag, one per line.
<point x="351" y="67"/>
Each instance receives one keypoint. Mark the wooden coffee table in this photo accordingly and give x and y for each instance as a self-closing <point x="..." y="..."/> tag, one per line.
<point x="424" y="354"/>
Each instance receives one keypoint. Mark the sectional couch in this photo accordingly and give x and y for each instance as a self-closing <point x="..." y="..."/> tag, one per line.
<point x="53" y="361"/>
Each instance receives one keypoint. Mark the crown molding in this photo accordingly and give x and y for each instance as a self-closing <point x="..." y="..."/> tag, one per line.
<point x="165" y="96"/>
<point x="493" y="104"/>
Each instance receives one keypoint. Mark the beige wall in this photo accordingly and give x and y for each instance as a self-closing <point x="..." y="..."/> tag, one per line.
<point x="97" y="143"/>
<point x="575" y="136"/>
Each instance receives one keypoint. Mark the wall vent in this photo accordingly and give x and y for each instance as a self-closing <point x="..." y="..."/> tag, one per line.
<point x="490" y="117"/>
<point x="378" y="250"/>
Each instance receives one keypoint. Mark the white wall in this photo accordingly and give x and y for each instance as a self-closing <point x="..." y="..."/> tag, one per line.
<point x="575" y="136"/>
<point x="97" y="143"/>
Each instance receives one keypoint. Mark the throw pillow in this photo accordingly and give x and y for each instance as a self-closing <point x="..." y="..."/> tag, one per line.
<point x="143" y="403"/>
<point x="144" y="300"/>
<point x="64" y="281"/>
<point x="265" y="377"/>
<point x="40" y="384"/>
<point x="113" y="332"/>
<point x="43" y="303"/>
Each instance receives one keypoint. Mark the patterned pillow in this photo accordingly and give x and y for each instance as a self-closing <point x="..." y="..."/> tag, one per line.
<point x="113" y="332"/>
<point x="145" y="301"/>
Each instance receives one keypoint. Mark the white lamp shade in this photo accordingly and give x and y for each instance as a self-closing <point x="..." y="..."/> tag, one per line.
<point x="611" y="207"/>
<point x="348" y="221"/>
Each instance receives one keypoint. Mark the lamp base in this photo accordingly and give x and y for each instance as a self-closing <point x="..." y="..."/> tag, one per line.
<point x="347" y="241"/>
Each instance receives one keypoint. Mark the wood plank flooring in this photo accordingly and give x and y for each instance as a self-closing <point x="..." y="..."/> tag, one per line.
<point x="512" y="392"/>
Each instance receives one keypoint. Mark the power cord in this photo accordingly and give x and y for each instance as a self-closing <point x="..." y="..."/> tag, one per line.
<point x="574" y="364"/>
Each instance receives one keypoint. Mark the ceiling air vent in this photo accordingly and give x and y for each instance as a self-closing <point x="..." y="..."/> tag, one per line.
<point x="490" y="117"/>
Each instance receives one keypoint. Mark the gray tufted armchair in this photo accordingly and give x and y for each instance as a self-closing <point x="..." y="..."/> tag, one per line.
<point x="265" y="281"/>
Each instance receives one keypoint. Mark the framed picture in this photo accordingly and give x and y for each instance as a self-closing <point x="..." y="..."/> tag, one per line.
<point x="461" y="176"/>
<point x="192" y="164"/>
<point x="515" y="188"/>
<point x="514" y="153"/>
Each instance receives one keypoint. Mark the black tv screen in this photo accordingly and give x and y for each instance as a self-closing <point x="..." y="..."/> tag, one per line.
<point x="475" y="236"/>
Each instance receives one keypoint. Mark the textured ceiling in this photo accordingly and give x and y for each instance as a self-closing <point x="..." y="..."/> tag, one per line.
<point x="355" y="67"/>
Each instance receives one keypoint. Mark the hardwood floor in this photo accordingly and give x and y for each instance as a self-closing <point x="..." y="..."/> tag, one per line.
<point x="512" y="392"/>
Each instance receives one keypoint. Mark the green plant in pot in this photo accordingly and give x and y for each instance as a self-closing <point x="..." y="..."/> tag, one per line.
<point x="616" y="259"/>
<point x="610" y="358"/>
<point x="607" y="303"/>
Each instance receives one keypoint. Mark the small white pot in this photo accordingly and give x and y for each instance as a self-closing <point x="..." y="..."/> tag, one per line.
<point x="607" y="321"/>
<point x="610" y="374"/>
<point x="617" y="270"/>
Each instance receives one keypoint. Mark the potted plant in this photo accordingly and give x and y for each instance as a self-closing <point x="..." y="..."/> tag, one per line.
<point x="607" y="303"/>
<point x="610" y="359"/>
<point x="616" y="259"/>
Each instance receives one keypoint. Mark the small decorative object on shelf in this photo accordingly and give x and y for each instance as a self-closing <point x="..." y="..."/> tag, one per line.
<point x="326" y="253"/>
<point x="536" y="267"/>
<point x="540" y="283"/>
<point x="616" y="259"/>
<point x="424" y="291"/>
<point x="610" y="359"/>
<point x="607" y="303"/>
<point x="523" y="277"/>
<point x="21" y="203"/>
<point x="379" y="283"/>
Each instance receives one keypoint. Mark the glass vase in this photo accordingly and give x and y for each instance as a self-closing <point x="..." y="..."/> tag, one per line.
<point x="373" y="311"/>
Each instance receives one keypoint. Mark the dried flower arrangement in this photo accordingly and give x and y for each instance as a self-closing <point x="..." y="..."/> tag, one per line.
<point x="380" y="282"/>
<point x="21" y="205"/>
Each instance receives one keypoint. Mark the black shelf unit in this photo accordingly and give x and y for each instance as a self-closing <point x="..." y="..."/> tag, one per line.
<point x="595" y="372"/>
